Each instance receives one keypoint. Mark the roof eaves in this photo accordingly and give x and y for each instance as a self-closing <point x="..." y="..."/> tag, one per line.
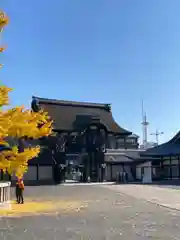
<point x="106" y="106"/>
<point x="165" y="149"/>
<point x="175" y="138"/>
<point x="132" y="135"/>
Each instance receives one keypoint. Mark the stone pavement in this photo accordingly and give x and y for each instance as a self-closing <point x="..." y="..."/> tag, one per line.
<point x="109" y="215"/>
<point x="167" y="197"/>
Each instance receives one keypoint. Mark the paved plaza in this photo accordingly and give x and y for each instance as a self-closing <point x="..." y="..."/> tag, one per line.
<point x="108" y="214"/>
<point x="166" y="196"/>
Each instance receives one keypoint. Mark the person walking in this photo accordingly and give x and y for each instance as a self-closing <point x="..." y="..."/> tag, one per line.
<point x="17" y="192"/>
<point x="124" y="177"/>
<point x="121" y="177"/>
<point x="20" y="191"/>
<point x="127" y="177"/>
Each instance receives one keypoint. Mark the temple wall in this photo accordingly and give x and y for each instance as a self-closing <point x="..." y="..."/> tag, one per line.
<point x="168" y="162"/>
<point x="45" y="173"/>
<point x="36" y="175"/>
<point x="144" y="172"/>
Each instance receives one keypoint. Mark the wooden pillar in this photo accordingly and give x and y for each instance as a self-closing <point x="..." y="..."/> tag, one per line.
<point x="161" y="168"/>
<point x="178" y="166"/>
<point x="89" y="164"/>
<point x="37" y="172"/>
<point x="111" y="171"/>
<point x="125" y="144"/>
<point x="123" y="167"/>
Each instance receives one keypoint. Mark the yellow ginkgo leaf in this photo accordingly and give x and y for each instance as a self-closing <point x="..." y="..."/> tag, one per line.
<point x="4" y="20"/>
<point x="2" y="49"/>
<point x="17" y="124"/>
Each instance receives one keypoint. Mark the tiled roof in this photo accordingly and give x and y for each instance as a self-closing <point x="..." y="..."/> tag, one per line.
<point x="165" y="149"/>
<point x="65" y="114"/>
<point x="120" y="158"/>
<point x="169" y="148"/>
<point x="133" y="136"/>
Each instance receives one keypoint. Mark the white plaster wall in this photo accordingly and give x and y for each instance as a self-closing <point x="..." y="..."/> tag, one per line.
<point x="147" y="177"/>
<point x="45" y="173"/>
<point x="175" y="161"/>
<point x="138" y="172"/>
<point x="31" y="174"/>
<point x="111" y="142"/>
<point x="167" y="162"/>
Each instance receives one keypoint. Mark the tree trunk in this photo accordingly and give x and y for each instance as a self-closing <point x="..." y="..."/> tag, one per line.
<point x="21" y="145"/>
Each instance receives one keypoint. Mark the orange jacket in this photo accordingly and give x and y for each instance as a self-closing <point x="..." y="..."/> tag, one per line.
<point x="21" y="184"/>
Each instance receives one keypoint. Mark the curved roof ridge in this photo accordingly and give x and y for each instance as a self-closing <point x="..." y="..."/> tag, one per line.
<point x="175" y="138"/>
<point x="64" y="113"/>
<point x="72" y="103"/>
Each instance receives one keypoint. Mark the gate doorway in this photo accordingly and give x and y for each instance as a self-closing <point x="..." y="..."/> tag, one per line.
<point x="74" y="171"/>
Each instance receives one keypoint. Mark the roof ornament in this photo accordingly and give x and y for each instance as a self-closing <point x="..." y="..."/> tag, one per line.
<point x="108" y="107"/>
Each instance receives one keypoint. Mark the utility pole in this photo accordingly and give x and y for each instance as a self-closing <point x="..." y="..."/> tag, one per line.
<point x="157" y="134"/>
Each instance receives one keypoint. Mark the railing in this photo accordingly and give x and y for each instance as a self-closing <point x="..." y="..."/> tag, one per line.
<point x="5" y="194"/>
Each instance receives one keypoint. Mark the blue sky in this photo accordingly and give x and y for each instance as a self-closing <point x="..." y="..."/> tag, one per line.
<point x="113" y="51"/>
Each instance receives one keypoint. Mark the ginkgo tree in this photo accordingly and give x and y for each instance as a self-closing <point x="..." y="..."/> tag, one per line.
<point x="18" y="124"/>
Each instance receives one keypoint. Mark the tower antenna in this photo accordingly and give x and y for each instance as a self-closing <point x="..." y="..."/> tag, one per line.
<point x="144" y="126"/>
